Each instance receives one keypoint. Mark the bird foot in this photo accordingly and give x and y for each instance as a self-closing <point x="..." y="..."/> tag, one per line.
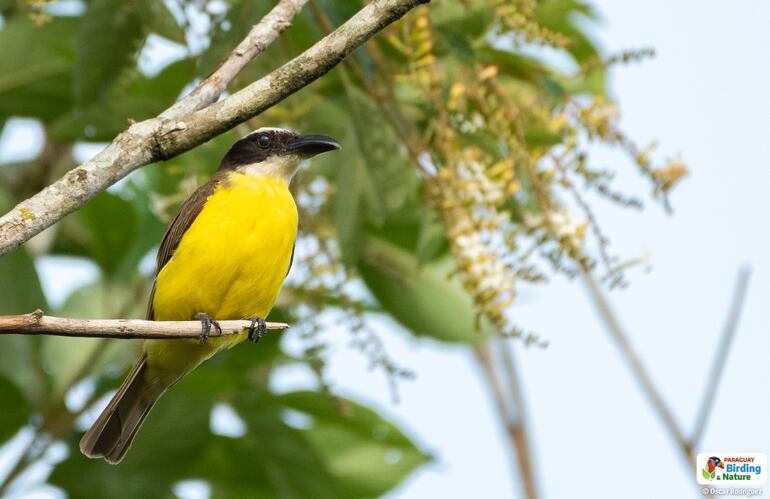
<point x="257" y="329"/>
<point x="206" y="323"/>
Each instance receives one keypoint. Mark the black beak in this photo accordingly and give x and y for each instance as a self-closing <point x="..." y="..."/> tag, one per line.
<point x="310" y="145"/>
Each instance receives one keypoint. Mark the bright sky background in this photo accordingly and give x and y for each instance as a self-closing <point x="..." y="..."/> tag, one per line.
<point x="705" y="96"/>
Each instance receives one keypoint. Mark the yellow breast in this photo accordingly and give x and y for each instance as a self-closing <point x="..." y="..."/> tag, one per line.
<point x="232" y="260"/>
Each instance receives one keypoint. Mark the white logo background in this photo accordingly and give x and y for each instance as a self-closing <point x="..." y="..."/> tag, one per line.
<point x="760" y="460"/>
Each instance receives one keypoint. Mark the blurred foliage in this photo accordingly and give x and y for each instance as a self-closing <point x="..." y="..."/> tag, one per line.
<point x="464" y="173"/>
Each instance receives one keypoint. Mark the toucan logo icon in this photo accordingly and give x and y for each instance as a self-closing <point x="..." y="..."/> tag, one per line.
<point x="710" y="470"/>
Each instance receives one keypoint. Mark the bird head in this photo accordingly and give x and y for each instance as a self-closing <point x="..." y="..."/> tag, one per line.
<point x="275" y="152"/>
<point x="715" y="462"/>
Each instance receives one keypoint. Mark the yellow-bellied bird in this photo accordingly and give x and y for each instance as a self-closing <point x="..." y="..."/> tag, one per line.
<point x="224" y="256"/>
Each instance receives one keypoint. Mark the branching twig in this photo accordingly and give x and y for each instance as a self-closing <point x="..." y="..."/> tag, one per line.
<point x="686" y="446"/>
<point x="36" y="323"/>
<point x="640" y="372"/>
<point x="161" y="138"/>
<point x="259" y="38"/>
<point x="717" y="369"/>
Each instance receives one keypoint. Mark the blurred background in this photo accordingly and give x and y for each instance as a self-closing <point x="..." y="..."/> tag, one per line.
<point x="527" y="200"/>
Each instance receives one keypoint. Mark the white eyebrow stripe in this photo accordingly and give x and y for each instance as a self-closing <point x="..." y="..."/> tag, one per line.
<point x="270" y="129"/>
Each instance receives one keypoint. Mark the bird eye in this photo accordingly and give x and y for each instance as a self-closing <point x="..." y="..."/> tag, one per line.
<point x="263" y="141"/>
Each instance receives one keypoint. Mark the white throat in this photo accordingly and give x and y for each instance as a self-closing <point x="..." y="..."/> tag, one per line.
<point x="278" y="167"/>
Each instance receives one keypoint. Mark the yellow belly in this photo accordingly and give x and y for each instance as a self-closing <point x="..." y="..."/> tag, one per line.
<point x="230" y="264"/>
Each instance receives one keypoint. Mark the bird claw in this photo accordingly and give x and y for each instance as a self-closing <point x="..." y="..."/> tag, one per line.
<point x="258" y="332"/>
<point x="206" y="323"/>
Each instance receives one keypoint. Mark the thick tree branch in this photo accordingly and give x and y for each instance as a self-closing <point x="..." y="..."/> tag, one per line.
<point x="36" y="323"/>
<point x="161" y="138"/>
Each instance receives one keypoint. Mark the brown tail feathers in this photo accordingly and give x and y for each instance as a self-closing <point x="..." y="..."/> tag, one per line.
<point x="112" y="433"/>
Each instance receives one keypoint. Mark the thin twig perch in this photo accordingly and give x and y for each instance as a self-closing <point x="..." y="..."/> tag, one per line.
<point x="37" y="323"/>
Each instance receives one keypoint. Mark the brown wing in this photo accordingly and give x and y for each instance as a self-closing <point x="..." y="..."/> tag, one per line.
<point x="179" y="225"/>
<point x="291" y="260"/>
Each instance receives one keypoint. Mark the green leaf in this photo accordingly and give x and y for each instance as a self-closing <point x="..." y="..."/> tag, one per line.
<point x="356" y="195"/>
<point x="169" y="445"/>
<point x="393" y="174"/>
<point x="162" y="22"/>
<point x="15" y="411"/>
<point x="514" y="65"/>
<point x="457" y="44"/>
<point x="431" y="240"/>
<point x="567" y="17"/>
<point x="485" y="140"/>
<point x="105" y="229"/>
<point x="368" y="453"/>
<point x="271" y="460"/>
<point x="109" y="37"/>
<point x="36" y="67"/>
<point x="470" y="21"/>
<point x="594" y="83"/>
<point x="339" y="11"/>
<point x="20" y="293"/>
<point x="344" y="456"/>
<point x="68" y="360"/>
<point x="7" y="7"/>
<point x="705" y="474"/>
<point x="150" y="229"/>
<point x="553" y="88"/>
<point x="423" y="298"/>
<point x="242" y="15"/>
<point x="353" y="184"/>
<point x="536" y="137"/>
<point x="137" y="99"/>
<point x="373" y="177"/>
<point x="20" y="290"/>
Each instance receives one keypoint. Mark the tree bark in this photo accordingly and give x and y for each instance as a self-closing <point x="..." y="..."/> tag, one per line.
<point x="37" y="323"/>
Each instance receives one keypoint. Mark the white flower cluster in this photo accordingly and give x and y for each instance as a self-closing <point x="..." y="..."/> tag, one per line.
<point x="559" y="223"/>
<point x="470" y="206"/>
